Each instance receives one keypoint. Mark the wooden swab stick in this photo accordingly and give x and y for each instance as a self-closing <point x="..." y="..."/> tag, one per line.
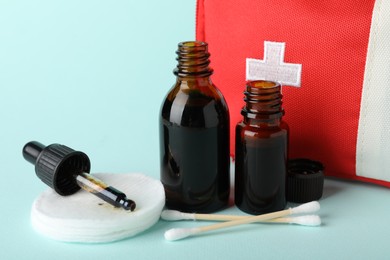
<point x="174" y="215"/>
<point x="179" y="233"/>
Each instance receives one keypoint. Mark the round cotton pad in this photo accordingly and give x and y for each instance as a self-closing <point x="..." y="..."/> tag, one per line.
<point x="82" y="217"/>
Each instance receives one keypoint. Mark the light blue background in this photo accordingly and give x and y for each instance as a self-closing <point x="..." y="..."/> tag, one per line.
<point x="92" y="75"/>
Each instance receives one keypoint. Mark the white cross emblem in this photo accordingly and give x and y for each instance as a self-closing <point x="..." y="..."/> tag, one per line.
<point x="273" y="67"/>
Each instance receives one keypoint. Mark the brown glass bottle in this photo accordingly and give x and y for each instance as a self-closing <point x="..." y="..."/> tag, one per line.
<point x="261" y="150"/>
<point x="194" y="136"/>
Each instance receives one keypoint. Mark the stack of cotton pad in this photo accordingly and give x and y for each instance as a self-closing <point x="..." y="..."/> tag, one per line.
<point x="83" y="217"/>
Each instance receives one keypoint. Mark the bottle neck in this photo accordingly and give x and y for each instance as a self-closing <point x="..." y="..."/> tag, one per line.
<point x="193" y="82"/>
<point x="273" y="122"/>
<point x="263" y="103"/>
<point x="193" y="60"/>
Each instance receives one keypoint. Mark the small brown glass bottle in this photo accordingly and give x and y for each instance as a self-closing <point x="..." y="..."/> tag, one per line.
<point x="261" y="150"/>
<point x="194" y="136"/>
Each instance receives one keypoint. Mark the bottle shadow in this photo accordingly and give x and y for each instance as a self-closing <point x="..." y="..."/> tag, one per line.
<point x="331" y="187"/>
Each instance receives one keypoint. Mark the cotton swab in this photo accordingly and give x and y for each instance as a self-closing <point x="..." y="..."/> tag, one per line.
<point x="179" y="233"/>
<point x="307" y="220"/>
<point x="174" y="215"/>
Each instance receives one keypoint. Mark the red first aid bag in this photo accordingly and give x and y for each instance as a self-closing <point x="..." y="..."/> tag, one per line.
<point x="338" y="52"/>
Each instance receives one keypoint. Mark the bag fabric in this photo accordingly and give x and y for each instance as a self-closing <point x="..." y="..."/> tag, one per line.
<point x="337" y="51"/>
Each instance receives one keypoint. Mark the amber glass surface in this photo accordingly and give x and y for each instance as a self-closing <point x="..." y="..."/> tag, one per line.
<point x="194" y="136"/>
<point x="261" y="150"/>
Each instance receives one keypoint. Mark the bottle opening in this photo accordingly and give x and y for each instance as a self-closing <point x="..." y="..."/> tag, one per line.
<point x="262" y="84"/>
<point x="262" y="87"/>
<point x="192" y="44"/>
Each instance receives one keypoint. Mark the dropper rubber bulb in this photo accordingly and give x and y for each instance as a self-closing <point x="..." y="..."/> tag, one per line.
<point x="66" y="171"/>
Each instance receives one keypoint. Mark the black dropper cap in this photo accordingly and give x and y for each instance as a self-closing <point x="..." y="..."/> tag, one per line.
<point x="56" y="165"/>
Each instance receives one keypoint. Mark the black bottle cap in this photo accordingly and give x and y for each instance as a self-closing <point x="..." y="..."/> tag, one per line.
<point x="305" y="180"/>
<point x="56" y="165"/>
